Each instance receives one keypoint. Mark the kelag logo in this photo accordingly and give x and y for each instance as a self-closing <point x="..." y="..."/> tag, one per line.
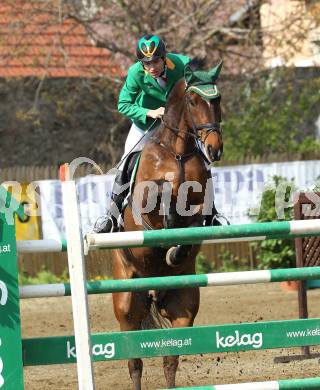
<point x="106" y="350"/>
<point x="255" y="340"/>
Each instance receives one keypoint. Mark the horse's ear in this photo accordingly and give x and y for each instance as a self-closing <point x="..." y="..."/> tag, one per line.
<point x="214" y="72"/>
<point x="188" y="74"/>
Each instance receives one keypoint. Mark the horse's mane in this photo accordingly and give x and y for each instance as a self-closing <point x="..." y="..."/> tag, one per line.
<point x="175" y="102"/>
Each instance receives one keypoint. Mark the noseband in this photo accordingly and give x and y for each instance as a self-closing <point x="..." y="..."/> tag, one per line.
<point x="207" y="127"/>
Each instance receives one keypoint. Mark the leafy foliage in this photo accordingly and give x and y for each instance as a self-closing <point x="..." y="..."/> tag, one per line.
<point x="229" y="263"/>
<point x="278" y="253"/>
<point x="275" y="112"/>
<point x="202" y="264"/>
<point x="43" y="277"/>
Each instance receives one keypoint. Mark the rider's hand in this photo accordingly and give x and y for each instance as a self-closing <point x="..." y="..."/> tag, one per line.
<point x="155" y="114"/>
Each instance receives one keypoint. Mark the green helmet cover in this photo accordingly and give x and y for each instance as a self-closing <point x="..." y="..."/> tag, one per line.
<point x="150" y="47"/>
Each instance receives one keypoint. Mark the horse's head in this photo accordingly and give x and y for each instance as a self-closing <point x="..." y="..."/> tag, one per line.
<point x="203" y="113"/>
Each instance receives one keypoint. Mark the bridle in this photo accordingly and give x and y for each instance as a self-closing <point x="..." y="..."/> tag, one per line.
<point x="207" y="127"/>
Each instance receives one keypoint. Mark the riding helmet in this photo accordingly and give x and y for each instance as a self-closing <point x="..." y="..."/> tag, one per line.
<point x="150" y="47"/>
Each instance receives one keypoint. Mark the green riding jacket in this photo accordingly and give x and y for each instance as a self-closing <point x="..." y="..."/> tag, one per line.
<point x="141" y="92"/>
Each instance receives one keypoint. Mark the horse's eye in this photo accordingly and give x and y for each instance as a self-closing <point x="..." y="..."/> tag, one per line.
<point x="192" y="102"/>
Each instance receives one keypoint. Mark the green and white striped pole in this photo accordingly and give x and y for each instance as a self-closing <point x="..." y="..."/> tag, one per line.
<point x="195" y="235"/>
<point x="291" y="384"/>
<point x="170" y="282"/>
<point x="41" y="246"/>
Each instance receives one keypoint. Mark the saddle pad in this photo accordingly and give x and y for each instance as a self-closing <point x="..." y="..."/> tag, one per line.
<point x="132" y="181"/>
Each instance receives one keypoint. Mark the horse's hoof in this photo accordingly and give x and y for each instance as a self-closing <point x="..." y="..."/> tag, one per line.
<point x="170" y="257"/>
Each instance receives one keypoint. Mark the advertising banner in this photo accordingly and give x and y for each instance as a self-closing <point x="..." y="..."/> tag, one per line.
<point x="94" y="194"/>
<point x="238" y="190"/>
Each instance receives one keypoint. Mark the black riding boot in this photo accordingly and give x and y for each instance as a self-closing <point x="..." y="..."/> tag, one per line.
<point x="212" y="217"/>
<point x="109" y="222"/>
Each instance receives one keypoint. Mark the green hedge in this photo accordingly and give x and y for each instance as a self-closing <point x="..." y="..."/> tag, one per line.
<point x="279" y="253"/>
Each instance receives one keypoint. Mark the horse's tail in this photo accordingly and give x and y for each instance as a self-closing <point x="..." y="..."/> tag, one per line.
<point x="154" y="319"/>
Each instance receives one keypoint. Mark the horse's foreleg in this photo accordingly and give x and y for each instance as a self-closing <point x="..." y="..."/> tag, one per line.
<point x="181" y="307"/>
<point x="130" y="309"/>
<point x="135" y="371"/>
<point x="177" y="255"/>
<point x="170" y="366"/>
<point x="128" y="322"/>
<point x="170" y="363"/>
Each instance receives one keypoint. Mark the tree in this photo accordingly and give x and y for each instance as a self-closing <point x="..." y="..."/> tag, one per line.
<point x="276" y="112"/>
<point x="246" y="34"/>
<point x="207" y="28"/>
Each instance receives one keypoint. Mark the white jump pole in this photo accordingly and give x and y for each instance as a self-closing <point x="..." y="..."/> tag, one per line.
<point x="40" y="246"/>
<point x="77" y="275"/>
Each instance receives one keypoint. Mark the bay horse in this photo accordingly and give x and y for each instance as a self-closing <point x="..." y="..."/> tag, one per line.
<point x="169" y="159"/>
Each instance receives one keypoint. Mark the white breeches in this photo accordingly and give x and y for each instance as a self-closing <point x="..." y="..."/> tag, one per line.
<point x="135" y="141"/>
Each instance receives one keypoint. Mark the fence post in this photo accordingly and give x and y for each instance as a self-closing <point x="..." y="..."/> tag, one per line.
<point x="77" y="273"/>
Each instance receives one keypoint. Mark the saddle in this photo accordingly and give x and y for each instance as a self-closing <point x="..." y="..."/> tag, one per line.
<point x="128" y="176"/>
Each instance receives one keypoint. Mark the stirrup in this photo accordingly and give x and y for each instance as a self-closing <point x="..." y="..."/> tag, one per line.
<point x="216" y="220"/>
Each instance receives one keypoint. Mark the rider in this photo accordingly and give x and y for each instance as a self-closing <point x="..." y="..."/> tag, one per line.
<point x="142" y="99"/>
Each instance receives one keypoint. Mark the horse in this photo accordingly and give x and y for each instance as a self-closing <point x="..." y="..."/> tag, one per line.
<point x="170" y="159"/>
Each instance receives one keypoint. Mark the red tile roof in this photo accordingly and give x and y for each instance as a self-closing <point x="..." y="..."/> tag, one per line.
<point x="33" y="42"/>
